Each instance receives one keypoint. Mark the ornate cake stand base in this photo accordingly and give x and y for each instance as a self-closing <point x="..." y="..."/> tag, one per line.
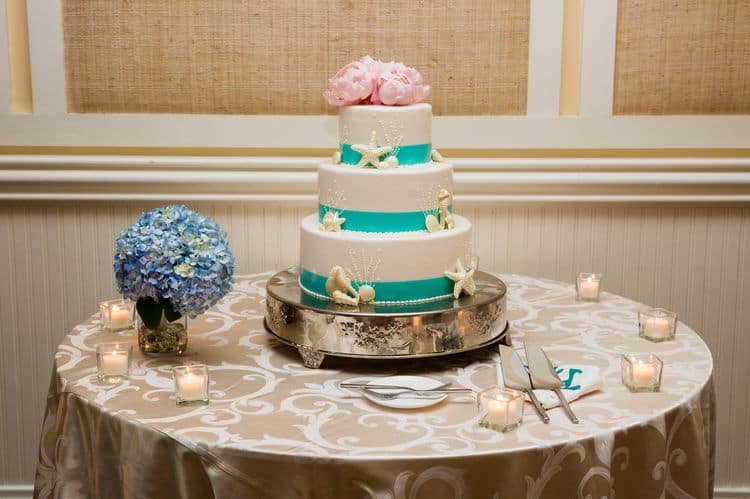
<point x="318" y="327"/>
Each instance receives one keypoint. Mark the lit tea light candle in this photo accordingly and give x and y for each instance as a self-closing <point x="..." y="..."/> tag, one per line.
<point x="118" y="317"/>
<point x="641" y="373"/>
<point x="588" y="287"/>
<point x="191" y="384"/>
<point x="497" y="410"/>
<point x="500" y="409"/>
<point x="113" y="361"/>
<point x="657" y="324"/>
<point x="116" y="314"/>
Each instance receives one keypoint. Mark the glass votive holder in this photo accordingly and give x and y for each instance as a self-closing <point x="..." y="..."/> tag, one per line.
<point x="116" y="315"/>
<point x="190" y="384"/>
<point x="657" y="324"/>
<point x="113" y="361"/>
<point x="500" y="409"/>
<point x="641" y="372"/>
<point x="588" y="286"/>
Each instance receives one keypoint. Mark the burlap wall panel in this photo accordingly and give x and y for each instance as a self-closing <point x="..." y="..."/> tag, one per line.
<point x="683" y="57"/>
<point x="261" y="57"/>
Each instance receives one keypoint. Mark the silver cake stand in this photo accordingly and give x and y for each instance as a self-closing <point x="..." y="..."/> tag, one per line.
<point x="317" y="327"/>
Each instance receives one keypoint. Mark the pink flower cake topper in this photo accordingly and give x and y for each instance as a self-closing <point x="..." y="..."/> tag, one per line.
<point x="368" y="81"/>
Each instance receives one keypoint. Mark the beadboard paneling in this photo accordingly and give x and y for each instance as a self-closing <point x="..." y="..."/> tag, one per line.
<point x="55" y="263"/>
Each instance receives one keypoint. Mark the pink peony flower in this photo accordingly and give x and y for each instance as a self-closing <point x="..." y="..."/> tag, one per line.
<point x="369" y="81"/>
<point x="400" y="85"/>
<point x="353" y="83"/>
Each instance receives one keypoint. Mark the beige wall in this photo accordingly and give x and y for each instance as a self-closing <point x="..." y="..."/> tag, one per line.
<point x="682" y="57"/>
<point x="55" y="266"/>
<point x="194" y="56"/>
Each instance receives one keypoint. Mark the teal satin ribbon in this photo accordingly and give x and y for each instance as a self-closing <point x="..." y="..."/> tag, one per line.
<point x="379" y="221"/>
<point x="415" y="154"/>
<point x="422" y="289"/>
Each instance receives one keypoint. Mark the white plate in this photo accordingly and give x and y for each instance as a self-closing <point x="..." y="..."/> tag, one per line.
<point x="406" y="401"/>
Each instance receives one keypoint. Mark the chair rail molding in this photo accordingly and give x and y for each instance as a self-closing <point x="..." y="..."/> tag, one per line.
<point x="292" y="180"/>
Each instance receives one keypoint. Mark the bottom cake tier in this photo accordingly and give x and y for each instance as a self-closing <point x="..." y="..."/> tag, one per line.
<point x="402" y="267"/>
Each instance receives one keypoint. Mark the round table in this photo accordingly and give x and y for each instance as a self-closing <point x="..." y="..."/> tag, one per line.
<point x="274" y="428"/>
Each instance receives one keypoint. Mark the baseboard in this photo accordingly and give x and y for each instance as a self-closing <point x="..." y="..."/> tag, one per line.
<point x="731" y="492"/>
<point x="18" y="491"/>
<point x="26" y="491"/>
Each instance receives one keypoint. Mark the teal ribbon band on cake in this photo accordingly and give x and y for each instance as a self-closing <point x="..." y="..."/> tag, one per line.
<point x="393" y="291"/>
<point x="379" y="221"/>
<point x="414" y="154"/>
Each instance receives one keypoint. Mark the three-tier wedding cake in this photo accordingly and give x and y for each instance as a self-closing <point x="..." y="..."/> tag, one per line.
<point x="385" y="231"/>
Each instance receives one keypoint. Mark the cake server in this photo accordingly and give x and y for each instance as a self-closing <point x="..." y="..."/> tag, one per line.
<point x="373" y="386"/>
<point x="543" y="375"/>
<point x="516" y="377"/>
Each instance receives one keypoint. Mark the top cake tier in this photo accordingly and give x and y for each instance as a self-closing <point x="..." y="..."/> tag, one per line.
<point x="401" y="131"/>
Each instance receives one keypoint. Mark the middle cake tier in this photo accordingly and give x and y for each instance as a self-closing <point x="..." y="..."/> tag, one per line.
<point x="375" y="200"/>
<point x="401" y="266"/>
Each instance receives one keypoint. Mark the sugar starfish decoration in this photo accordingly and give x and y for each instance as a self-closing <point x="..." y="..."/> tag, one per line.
<point x="332" y="222"/>
<point x="463" y="279"/>
<point x="371" y="153"/>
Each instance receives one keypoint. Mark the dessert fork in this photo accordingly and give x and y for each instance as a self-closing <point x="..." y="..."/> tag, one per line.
<point x="419" y="393"/>
<point x="391" y="387"/>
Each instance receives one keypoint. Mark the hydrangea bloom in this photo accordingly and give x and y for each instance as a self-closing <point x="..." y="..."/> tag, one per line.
<point x="177" y="255"/>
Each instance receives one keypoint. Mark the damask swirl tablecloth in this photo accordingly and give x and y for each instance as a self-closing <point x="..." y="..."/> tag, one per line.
<point x="275" y="429"/>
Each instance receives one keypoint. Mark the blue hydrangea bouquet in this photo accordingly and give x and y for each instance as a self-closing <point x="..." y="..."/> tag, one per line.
<point x="174" y="263"/>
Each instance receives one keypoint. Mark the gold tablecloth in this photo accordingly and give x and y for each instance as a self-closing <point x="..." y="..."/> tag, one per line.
<point x="275" y="429"/>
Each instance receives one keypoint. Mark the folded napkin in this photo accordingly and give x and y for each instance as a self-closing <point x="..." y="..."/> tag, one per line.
<point x="577" y="382"/>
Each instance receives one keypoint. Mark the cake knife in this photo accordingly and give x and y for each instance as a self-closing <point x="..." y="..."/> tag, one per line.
<point x="543" y="375"/>
<point x="516" y="377"/>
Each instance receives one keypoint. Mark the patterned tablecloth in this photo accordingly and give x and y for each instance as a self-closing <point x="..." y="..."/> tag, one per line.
<point x="276" y="429"/>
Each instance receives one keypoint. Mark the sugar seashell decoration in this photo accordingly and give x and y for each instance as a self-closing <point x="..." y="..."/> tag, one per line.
<point x="436" y="156"/>
<point x="336" y="157"/>
<point x="432" y="224"/>
<point x="339" y="287"/>
<point x="366" y="293"/>
<point x="332" y="222"/>
<point x="371" y="153"/>
<point x="388" y="162"/>
<point x="463" y="278"/>
<point x="444" y="219"/>
<point x="444" y="201"/>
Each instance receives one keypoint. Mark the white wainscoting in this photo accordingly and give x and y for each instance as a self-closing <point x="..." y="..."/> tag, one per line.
<point x="57" y="230"/>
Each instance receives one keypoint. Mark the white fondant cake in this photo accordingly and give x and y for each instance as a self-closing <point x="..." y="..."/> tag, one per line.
<point x="415" y="260"/>
<point x="397" y="189"/>
<point x="395" y="126"/>
<point x="385" y="229"/>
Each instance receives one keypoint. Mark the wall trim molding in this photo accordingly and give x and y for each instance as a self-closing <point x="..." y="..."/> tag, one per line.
<point x="19" y="491"/>
<point x="292" y="180"/>
<point x="26" y="491"/>
<point x="311" y="131"/>
<point x="731" y="492"/>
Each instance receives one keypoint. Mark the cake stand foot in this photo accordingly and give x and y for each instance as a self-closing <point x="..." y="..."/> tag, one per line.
<point x="310" y="358"/>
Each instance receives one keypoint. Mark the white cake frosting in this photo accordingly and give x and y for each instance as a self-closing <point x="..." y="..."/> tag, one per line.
<point x="387" y="257"/>
<point x="394" y="125"/>
<point x="393" y="190"/>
